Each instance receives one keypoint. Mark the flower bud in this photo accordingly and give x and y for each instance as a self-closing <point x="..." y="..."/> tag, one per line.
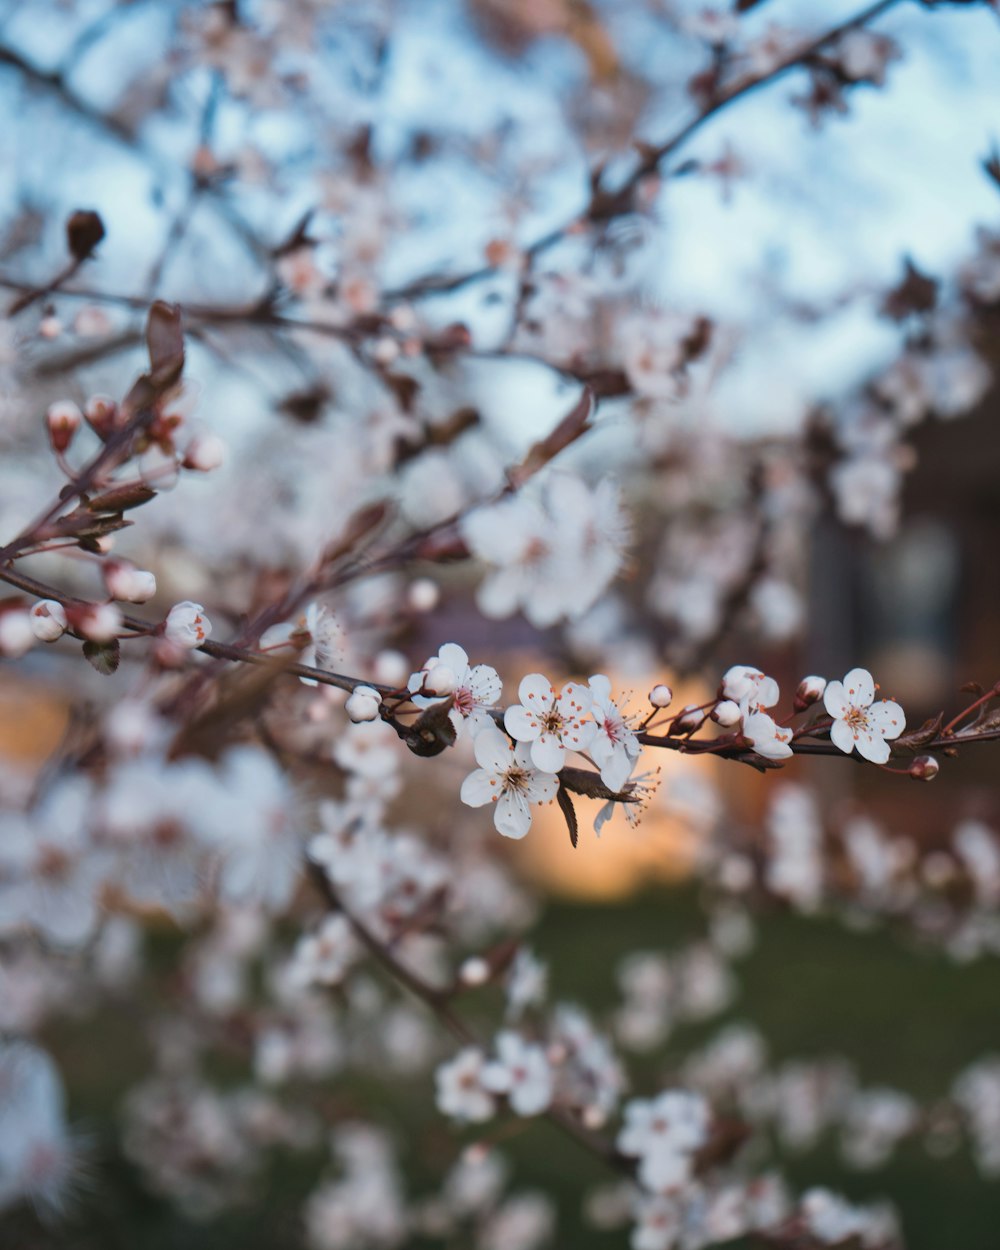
<point x="924" y="768"/>
<point x="63" y="420"/>
<point x="363" y="704"/>
<point x="97" y="622"/>
<point x="594" y="1117"/>
<point x="440" y="680"/>
<point x="810" y="690"/>
<point x="661" y="696"/>
<point x="690" y="719"/>
<point x="474" y="971"/>
<point x="424" y="595"/>
<point x="187" y="625"/>
<point x="726" y="713"/>
<point x="125" y="581"/>
<point x="204" y="453"/>
<point x="48" y="620"/>
<point x="16" y="633"/>
<point x="102" y="415"/>
<point x="391" y="668"/>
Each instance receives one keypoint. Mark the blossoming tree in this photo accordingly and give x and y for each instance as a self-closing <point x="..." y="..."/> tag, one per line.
<point x="291" y="487"/>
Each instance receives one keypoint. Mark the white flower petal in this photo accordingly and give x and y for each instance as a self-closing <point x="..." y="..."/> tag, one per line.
<point x="575" y="700"/>
<point x="512" y="815"/>
<point x="478" y="788"/>
<point x="541" y="787"/>
<point x="842" y="735"/>
<point x="600" y="688"/>
<point x="617" y="770"/>
<point x="835" y="700"/>
<point x="492" y="749"/>
<point x="872" y="747"/>
<point x="522" y="723"/>
<point x="887" y="718"/>
<point x="536" y="692"/>
<point x="548" y="753"/>
<point x="860" y="687"/>
<point x="454" y="656"/>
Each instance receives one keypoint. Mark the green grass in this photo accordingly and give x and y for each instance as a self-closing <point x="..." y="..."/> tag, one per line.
<point x="903" y="1015"/>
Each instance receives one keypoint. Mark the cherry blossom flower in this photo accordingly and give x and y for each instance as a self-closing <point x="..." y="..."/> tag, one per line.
<point x="506" y="776"/>
<point x="522" y="1072"/>
<point x="663" y="1133"/>
<point x="658" y="1223"/>
<point x="98" y="622"/>
<point x="473" y="691"/>
<point x="614" y="747"/>
<point x="750" y="687"/>
<point x="187" y="625"/>
<point x="315" y="634"/>
<point x="51" y="872"/>
<point x="461" y="1093"/>
<point x="767" y="738"/>
<point x="158" y="819"/>
<point x="858" y="721"/>
<point x="552" y="723"/>
<point x="551" y="559"/>
<point x="324" y="957"/>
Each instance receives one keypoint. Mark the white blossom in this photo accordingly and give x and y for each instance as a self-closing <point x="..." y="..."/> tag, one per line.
<point x="461" y="1093"/>
<point x="858" y="721"/>
<point x="520" y="1071"/>
<point x="553" y="723"/>
<point x="473" y="690"/>
<point x="663" y="1133"/>
<point x="614" y="748"/>
<point x="187" y="625"/>
<point x="507" y="777"/>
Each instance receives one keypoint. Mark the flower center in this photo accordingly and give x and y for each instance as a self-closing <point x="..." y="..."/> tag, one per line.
<point x="857" y="719"/>
<point x="516" y="780"/>
<point x="553" y="722"/>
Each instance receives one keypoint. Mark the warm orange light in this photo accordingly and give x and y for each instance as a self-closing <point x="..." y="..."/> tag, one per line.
<point x="623" y="860"/>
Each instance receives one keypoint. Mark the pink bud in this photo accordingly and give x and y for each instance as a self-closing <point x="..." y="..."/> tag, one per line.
<point x="125" y="581"/>
<point x="48" y="620"/>
<point x="810" y="690"/>
<point x="423" y="595"/>
<point x="692" y="718"/>
<point x="661" y="696"/>
<point x="97" y="622"/>
<point x="439" y="680"/>
<point x="924" y="768"/>
<point x="363" y="704"/>
<point x="204" y="453"/>
<point x="63" y="420"/>
<point x="102" y="415"/>
<point x="727" y="714"/>
<point x="16" y="633"/>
